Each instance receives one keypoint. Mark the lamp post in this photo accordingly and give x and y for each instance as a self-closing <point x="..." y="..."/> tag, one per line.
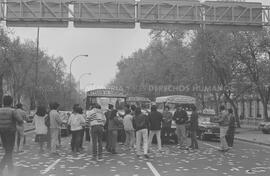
<point x="82" y="75"/>
<point x="70" y="87"/>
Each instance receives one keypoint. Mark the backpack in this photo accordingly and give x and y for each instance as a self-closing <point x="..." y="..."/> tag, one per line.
<point x="140" y="124"/>
<point x="47" y="121"/>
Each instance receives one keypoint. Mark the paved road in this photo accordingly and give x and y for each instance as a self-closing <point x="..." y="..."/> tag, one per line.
<point x="244" y="159"/>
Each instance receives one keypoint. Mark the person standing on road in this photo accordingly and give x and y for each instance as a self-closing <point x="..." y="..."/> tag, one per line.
<point x="76" y="122"/>
<point x="97" y="121"/>
<point x="107" y="115"/>
<point x="114" y="125"/>
<point x="8" y="120"/>
<point x="155" y="119"/>
<point x="19" y="140"/>
<point x="40" y="127"/>
<point x="55" y="122"/>
<point x="129" y="130"/>
<point x="223" y="124"/>
<point x="194" y="128"/>
<point x="231" y="129"/>
<point x="166" y="125"/>
<point x="180" y="117"/>
<point x="140" y="124"/>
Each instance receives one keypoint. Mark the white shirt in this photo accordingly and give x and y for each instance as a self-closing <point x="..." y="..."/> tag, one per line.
<point x="75" y="122"/>
<point x="40" y="126"/>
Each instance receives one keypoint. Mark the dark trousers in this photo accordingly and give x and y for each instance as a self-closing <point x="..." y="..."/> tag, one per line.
<point x="82" y="135"/>
<point x="97" y="135"/>
<point x="76" y="140"/>
<point x="193" y="138"/>
<point x="87" y="135"/>
<point x="8" y="142"/>
<point x="230" y="136"/>
<point x="112" y="139"/>
<point x="165" y="135"/>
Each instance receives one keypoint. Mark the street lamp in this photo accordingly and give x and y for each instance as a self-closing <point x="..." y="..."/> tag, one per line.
<point x="81" y="78"/>
<point x="81" y="55"/>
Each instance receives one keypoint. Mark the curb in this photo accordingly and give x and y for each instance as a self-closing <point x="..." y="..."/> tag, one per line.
<point x="254" y="142"/>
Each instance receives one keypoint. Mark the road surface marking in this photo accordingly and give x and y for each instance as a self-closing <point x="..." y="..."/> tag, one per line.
<point x="153" y="169"/>
<point x="50" y="167"/>
<point x="211" y="145"/>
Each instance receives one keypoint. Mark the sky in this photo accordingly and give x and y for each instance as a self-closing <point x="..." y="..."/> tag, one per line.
<point x="104" y="48"/>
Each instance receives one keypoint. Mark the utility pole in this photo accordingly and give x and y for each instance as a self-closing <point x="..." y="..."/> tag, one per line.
<point x="36" y="74"/>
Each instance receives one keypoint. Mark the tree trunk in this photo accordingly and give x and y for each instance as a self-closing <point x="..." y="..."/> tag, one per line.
<point x="1" y="89"/>
<point x="265" y="112"/>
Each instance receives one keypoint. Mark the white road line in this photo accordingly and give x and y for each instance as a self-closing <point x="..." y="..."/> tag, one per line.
<point x="50" y="167"/>
<point x="211" y="145"/>
<point x="153" y="169"/>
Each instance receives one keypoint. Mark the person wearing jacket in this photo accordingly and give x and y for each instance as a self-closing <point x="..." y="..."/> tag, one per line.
<point x="8" y="121"/>
<point x="166" y="125"/>
<point x="113" y="127"/>
<point x="97" y="122"/>
<point x="76" y="122"/>
<point x="140" y="125"/>
<point x="155" y="119"/>
<point x="193" y="128"/>
<point x="20" y="138"/>
<point x="180" y="117"/>
<point x="223" y="124"/>
<point x="55" y="122"/>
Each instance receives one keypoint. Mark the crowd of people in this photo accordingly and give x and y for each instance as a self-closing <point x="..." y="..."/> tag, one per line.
<point x="137" y="127"/>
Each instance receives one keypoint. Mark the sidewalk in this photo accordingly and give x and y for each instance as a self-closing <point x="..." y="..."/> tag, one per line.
<point x="252" y="135"/>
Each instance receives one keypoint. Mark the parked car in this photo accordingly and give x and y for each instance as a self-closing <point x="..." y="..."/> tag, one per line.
<point x="30" y="117"/>
<point x="207" y="129"/>
<point x="265" y="127"/>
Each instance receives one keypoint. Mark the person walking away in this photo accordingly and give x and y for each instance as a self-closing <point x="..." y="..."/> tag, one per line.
<point x="76" y="122"/>
<point x="129" y="130"/>
<point x="107" y="115"/>
<point x="97" y="121"/>
<point x="19" y="139"/>
<point x="166" y="125"/>
<point x="180" y="117"/>
<point x="231" y="129"/>
<point x="114" y="125"/>
<point x="55" y="122"/>
<point x="140" y="125"/>
<point x="223" y="124"/>
<point x="193" y="128"/>
<point x="83" y="130"/>
<point x="155" y="119"/>
<point x="40" y="127"/>
<point x="8" y="120"/>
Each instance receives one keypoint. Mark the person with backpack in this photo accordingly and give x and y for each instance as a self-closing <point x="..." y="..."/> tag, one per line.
<point x="223" y="124"/>
<point x="54" y="123"/>
<point x="8" y="121"/>
<point x="180" y="117"/>
<point x="40" y="127"/>
<point x="140" y="124"/>
<point x="155" y="120"/>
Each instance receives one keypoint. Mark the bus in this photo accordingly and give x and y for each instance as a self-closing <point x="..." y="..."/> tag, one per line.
<point x="144" y="103"/>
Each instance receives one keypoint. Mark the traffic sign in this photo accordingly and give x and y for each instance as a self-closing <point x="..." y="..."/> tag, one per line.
<point x="162" y="13"/>
<point x="104" y="13"/>
<point x="233" y="15"/>
<point x="37" y="13"/>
